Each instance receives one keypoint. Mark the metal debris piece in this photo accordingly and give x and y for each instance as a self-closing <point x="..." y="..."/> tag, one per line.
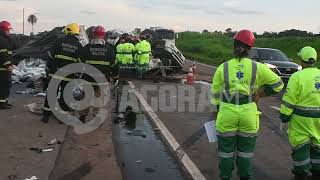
<point x="41" y="150"/>
<point x="32" y="178"/>
<point x="35" y="108"/>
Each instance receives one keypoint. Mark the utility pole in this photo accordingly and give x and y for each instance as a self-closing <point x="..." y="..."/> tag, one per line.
<point x="23" y="21"/>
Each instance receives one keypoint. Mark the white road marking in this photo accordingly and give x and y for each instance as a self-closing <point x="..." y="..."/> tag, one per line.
<point x="276" y="108"/>
<point x="187" y="162"/>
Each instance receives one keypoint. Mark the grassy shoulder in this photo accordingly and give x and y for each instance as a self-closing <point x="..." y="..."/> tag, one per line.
<point x="215" y="49"/>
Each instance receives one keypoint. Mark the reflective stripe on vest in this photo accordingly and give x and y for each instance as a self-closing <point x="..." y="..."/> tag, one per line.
<point x="144" y="52"/>
<point x="46" y="109"/>
<point x="3" y="69"/>
<point x="3" y="101"/>
<point x="313" y="112"/>
<point x="60" y="78"/>
<point x="301" y="163"/>
<point x="10" y="52"/>
<point x="315" y="161"/>
<point x="226" y="155"/>
<point x="98" y="62"/>
<point x="3" y="50"/>
<point x="276" y="85"/>
<point x="227" y="134"/>
<point x="240" y="97"/>
<point x="67" y="58"/>
<point x="247" y="135"/>
<point x="245" y="155"/>
<point x="7" y="63"/>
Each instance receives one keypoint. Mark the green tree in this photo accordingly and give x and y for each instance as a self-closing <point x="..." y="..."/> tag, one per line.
<point x="32" y="19"/>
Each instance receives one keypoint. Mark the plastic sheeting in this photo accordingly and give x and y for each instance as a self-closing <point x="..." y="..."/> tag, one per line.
<point x="29" y="70"/>
<point x="38" y="48"/>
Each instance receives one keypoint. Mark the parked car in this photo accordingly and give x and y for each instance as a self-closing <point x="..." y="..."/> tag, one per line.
<point x="275" y="60"/>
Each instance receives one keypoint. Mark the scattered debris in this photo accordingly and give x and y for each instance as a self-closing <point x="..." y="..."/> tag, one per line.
<point x="41" y="95"/>
<point x="53" y="142"/>
<point x="39" y="150"/>
<point x="29" y="70"/>
<point x="137" y="133"/>
<point x="32" y="178"/>
<point x="28" y="91"/>
<point x="35" y="108"/>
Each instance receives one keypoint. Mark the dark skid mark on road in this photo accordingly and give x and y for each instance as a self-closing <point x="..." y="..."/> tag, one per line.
<point x="78" y="173"/>
<point x="144" y="158"/>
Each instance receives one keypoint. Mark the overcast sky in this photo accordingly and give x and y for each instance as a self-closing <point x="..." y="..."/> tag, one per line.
<point x="180" y="15"/>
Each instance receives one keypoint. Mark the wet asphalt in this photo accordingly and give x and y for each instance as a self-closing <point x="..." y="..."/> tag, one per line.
<point x="141" y="153"/>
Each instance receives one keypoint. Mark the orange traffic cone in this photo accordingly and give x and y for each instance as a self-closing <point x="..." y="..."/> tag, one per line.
<point x="190" y="80"/>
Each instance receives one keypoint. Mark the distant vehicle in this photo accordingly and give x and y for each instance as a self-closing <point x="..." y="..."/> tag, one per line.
<point x="276" y="61"/>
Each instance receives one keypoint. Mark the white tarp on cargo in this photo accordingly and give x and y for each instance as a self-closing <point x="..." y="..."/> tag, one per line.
<point x="29" y="70"/>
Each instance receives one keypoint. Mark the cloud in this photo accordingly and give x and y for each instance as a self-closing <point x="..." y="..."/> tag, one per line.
<point x="88" y="12"/>
<point x="231" y="3"/>
<point x="239" y="11"/>
<point x="234" y="7"/>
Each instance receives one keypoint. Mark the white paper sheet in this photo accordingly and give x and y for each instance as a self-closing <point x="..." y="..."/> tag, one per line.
<point x="211" y="131"/>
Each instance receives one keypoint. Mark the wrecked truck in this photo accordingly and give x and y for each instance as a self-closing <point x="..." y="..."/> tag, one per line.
<point x="164" y="48"/>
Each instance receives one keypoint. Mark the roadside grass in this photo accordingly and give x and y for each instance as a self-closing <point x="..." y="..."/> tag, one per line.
<point x="214" y="49"/>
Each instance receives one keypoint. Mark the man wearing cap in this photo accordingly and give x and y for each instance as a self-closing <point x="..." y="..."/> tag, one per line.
<point x="300" y="109"/>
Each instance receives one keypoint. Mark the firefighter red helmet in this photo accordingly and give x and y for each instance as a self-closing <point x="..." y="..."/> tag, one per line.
<point x="246" y="37"/>
<point x="99" y="32"/>
<point x="5" y="26"/>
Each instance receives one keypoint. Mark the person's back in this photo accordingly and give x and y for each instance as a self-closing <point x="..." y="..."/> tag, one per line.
<point x="100" y="56"/>
<point x="128" y="50"/>
<point x="120" y="54"/>
<point x="308" y="83"/>
<point x="300" y="108"/>
<point x="235" y="87"/>
<point x="245" y="77"/>
<point x="66" y="51"/>
<point x="143" y="49"/>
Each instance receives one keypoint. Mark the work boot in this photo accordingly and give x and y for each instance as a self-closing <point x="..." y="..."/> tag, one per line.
<point x="5" y="106"/>
<point x="301" y="177"/>
<point x="45" y="118"/>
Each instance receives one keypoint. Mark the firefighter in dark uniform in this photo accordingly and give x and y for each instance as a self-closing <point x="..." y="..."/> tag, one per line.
<point x="5" y="64"/>
<point x="65" y="51"/>
<point x="102" y="56"/>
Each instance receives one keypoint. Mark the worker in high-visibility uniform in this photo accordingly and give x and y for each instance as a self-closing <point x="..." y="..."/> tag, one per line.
<point x="236" y="86"/>
<point x="5" y="64"/>
<point x="120" y="56"/>
<point x="65" y="52"/>
<point x="128" y="55"/>
<point x="300" y="108"/>
<point x="143" y="49"/>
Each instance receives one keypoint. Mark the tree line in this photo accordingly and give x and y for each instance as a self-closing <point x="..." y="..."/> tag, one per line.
<point x="287" y="33"/>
